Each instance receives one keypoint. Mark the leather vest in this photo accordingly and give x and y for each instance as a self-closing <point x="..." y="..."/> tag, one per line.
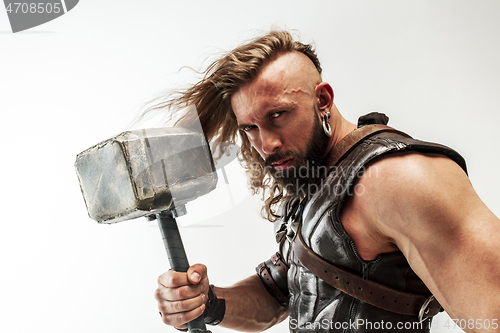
<point x="315" y="305"/>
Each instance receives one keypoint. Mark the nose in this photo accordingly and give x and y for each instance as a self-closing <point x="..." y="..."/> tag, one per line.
<point x="271" y="142"/>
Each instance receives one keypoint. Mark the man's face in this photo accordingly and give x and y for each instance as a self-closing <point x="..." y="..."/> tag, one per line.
<point x="278" y="113"/>
<point x="309" y="166"/>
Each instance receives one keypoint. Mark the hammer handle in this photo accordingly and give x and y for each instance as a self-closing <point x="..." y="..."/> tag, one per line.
<point x="177" y="258"/>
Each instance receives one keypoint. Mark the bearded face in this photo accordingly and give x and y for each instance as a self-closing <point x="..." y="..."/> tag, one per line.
<point x="309" y="167"/>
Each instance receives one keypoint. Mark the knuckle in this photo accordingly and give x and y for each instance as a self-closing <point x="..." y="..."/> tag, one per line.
<point x="169" y="280"/>
<point x="163" y="308"/>
<point x="190" y="291"/>
<point x="199" y="265"/>
<point x="183" y="292"/>
<point x="203" y="269"/>
<point x="182" y="318"/>
<point x="178" y="306"/>
<point x="157" y="294"/>
<point x="167" y="319"/>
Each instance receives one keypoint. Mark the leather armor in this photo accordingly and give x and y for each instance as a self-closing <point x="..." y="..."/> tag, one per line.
<point x="315" y="305"/>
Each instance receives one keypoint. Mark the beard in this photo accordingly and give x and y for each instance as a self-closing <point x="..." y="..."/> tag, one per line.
<point x="308" y="168"/>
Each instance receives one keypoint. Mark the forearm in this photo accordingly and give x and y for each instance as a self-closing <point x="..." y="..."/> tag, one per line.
<point x="249" y="307"/>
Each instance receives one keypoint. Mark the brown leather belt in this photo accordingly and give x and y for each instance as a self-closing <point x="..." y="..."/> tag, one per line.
<point x="376" y="294"/>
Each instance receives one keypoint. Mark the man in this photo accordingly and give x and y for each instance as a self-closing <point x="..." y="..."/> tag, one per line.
<point x="365" y="198"/>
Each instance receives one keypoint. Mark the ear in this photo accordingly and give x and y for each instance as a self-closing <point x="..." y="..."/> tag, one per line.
<point x="324" y="95"/>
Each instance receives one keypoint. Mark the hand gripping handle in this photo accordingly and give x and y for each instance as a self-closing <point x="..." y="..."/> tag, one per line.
<point x="177" y="257"/>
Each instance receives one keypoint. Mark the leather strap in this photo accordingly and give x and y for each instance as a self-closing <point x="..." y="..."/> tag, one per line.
<point x="271" y="286"/>
<point x="376" y="294"/>
<point x="351" y="140"/>
<point x="215" y="308"/>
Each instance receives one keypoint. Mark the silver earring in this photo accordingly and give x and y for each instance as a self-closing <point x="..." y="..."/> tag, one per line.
<point x="326" y="125"/>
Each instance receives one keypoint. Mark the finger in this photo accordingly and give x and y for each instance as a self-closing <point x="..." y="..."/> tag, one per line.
<point x="173" y="279"/>
<point x="178" y="294"/>
<point x="197" y="273"/>
<point x="181" y="319"/>
<point x="186" y="305"/>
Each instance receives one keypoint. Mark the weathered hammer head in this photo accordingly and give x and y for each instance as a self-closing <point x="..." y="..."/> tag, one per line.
<point x="143" y="172"/>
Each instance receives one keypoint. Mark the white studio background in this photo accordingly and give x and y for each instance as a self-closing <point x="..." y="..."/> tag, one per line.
<point x="432" y="66"/>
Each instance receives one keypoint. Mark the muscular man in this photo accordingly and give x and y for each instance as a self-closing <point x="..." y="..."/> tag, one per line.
<point x="366" y="198"/>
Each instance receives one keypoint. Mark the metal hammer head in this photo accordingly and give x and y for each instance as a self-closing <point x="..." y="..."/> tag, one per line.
<point x="143" y="172"/>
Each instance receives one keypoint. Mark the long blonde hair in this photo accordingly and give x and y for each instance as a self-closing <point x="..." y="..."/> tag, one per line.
<point x="212" y="98"/>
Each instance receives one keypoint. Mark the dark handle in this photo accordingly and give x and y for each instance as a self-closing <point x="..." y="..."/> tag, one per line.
<point x="177" y="257"/>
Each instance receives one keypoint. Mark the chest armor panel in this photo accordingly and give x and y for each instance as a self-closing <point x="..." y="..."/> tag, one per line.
<point x="314" y="304"/>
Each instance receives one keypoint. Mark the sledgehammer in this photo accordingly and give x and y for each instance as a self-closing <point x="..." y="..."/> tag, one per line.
<point x="151" y="173"/>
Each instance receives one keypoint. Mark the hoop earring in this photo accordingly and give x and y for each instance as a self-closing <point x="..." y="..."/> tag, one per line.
<point x="326" y="125"/>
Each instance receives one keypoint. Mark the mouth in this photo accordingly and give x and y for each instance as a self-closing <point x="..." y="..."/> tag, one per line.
<point x="283" y="164"/>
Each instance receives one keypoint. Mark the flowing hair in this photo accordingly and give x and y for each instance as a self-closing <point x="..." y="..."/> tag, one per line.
<point x="211" y="96"/>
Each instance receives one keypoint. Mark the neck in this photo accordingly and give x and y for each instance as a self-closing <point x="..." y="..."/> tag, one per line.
<point x="341" y="128"/>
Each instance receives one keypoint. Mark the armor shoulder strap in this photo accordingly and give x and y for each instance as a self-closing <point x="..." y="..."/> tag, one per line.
<point x="353" y="138"/>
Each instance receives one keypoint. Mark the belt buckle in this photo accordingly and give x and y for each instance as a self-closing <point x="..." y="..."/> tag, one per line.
<point x="292" y="231"/>
<point x="426" y="310"/>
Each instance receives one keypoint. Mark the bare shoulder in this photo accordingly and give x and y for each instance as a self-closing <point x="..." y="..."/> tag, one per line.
<point x="426" y="206"/>
<point x="399" y="197"/>
<point x="399" y="171"/>
<point x="408" y="190"/>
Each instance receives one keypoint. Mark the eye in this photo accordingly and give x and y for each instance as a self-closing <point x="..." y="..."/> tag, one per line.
<point x="277" y="114"/>
<point x="248" y="128"/>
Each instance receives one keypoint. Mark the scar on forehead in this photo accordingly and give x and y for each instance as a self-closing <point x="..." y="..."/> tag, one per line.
<point x="293" y="68"/>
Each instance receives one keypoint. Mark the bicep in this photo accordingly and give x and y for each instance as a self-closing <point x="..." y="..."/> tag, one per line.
<point x="428" y="208"/>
